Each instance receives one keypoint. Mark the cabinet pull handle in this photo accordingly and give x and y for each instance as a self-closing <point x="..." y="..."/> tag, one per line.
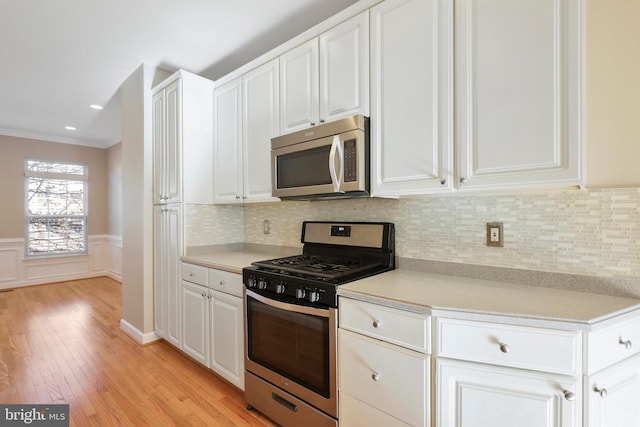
<point x="601" y="391"/>
<point x="504" y="348"/>
<point x="626" y="343"/>
<point x="376" y="323"/>
<point x="375" y="376"/>
<point x="570" y="396"/>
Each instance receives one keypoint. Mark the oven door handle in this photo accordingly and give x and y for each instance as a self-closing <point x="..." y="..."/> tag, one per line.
<point x="320" y="312"/>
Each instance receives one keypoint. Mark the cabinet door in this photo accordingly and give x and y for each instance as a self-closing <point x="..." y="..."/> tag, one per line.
<point x="159" y="273"/>
<point x="173" y="143"/>
<point x="167" y="252"/>
<point x="518" y="85"/>
<point x="227" y="143"/>
<point x="344" y="69"/>
<point x="614" y="394"/>
<point x="159" y="146"/>
<point x="475" y="395"/>
<point x="261" y="122"/>
<point x="227" y="337"/>
<point x="299" y="87"/>
<point x="195" y="321"/>
<point x="411" y="97"/>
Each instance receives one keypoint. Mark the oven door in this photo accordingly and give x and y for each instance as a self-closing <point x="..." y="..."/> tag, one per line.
<point x="334" y="164"/>
<point x="294" y="348"/>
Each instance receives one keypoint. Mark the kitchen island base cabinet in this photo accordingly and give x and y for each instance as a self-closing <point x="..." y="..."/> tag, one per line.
<point x="613" y="395"/>
<point x="475" y="395"/>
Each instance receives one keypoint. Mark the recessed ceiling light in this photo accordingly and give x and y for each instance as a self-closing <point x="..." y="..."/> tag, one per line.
<point x="96" y="106"/>
<point x="70" y="128"/>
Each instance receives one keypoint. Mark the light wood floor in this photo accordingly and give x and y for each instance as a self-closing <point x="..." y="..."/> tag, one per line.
<point x="61" y="343"/>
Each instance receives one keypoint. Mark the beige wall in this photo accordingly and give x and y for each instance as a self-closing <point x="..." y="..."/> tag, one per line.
<point x="114" y="154"/>
<point x="613" y="92"/>
<point x="14" y="151"/>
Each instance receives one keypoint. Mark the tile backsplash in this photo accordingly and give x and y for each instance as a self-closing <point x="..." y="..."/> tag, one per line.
<point x="593" y="232"/>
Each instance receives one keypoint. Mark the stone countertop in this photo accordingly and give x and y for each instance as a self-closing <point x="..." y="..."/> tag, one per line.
<point x="233" y="257"/>
<point x="488" y="300"/>
<point x="445" y="294"/>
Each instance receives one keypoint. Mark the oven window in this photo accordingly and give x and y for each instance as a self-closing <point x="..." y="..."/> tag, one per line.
<point x="304" y="168"/>
<point x="292" y="344"/>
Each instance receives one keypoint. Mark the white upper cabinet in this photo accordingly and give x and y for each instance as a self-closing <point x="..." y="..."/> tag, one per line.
<point x="227" y="142"/>
<point x="182" y="108"/>
<point x="326" y="78"/>
<point x="411" y="97"/>
<point x="246" y="118"/>
<point x="260" y="123"/>
<point x="519" y="118"/>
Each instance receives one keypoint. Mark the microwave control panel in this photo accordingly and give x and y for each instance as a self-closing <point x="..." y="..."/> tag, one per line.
<point x="350" y="161"/>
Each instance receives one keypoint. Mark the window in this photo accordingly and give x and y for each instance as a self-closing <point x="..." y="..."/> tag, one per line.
<point x="56" y="208"/>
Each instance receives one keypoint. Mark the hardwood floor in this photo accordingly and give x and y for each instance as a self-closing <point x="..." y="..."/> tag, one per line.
<point x="62" y="343"/>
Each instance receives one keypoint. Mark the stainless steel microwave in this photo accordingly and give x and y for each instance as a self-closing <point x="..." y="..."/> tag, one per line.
<point x="330" y="160"/>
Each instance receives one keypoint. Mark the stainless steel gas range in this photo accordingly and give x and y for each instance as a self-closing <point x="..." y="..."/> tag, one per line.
<point x="292" y="318"/>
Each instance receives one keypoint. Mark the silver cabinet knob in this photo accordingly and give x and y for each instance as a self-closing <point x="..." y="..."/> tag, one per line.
<point x="209" y="296"/>
<point x="463" y="180"/>
<point x="443" y="182"/>
<point x="375" y="376"/>
<point x="222" y="283"/>
<point x="570" y="396"/>
<point x="312" y="124"/>
<point x="601" y="391"/>
<point x="191" y="274"/>
<point x="376" y="323"/>
<point x="504" y="348"/>
<point x="626" y="343"/>
<point x="237" y="197"/>
<point x="203" y="295"/>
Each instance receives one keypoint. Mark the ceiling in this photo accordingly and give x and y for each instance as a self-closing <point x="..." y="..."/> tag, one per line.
<point x="58" y="58"/>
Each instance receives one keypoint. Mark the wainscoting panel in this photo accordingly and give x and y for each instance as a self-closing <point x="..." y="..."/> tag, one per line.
<point x="104" y="259"/>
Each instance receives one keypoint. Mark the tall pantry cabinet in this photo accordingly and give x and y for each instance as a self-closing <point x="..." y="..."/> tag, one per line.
<point x="182" y="111"/>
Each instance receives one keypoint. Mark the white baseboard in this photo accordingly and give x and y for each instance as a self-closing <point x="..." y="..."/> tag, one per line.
<point x="137" y="335"/>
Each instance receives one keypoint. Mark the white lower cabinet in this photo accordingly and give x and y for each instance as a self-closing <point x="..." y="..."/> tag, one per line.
<point x="212" y="321"/>
<point x="226" y="334"/>
<point x="477" y="395"/>
<point x="382" y="380"/>
<point x="195" y="313"/>
<point x="613" y="395"/>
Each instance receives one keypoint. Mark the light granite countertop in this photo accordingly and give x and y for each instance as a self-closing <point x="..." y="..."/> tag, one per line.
<point x="233" y="257"/>
<point x="446" y="294"/>
<point x="488" y="300"/>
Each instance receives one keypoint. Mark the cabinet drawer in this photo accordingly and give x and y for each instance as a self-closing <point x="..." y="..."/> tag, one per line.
<point x="539" y="349"/>
<point x="388" y="324"/>
<point x="387" y="377"/>
<point x="613" y="344"/>
<point x="224" y="281"/>
<point x="194" y="273"/>
<point x="354" y="413"/>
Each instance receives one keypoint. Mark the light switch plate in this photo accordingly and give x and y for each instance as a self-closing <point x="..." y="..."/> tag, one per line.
<point x="494" y="234"/>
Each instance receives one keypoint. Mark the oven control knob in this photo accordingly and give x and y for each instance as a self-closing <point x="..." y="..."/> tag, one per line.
<point x="281" y="287"/>
<point x="262" y="283"/>
<point x="301" y="293"/>
<point x="251" y="281"/>
<point x="314" y="296"/>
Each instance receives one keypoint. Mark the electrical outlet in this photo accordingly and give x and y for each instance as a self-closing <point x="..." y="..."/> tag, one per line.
<point x="494" y="234"/>
<point x="266" y="226"/>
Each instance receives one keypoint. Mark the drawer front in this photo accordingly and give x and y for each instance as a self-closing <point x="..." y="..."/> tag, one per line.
<point x="224" y="281"/>
<point x="354" y="413"/>
<point x="613" y="344"/>
<point x="387" y="377"/>
<point x="388" y="324"/>
<point x="194" y="273"/>
<point x="538" y="349"/>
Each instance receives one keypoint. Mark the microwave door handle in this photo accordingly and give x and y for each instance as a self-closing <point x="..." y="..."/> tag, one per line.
<point x="335" y="148"/>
